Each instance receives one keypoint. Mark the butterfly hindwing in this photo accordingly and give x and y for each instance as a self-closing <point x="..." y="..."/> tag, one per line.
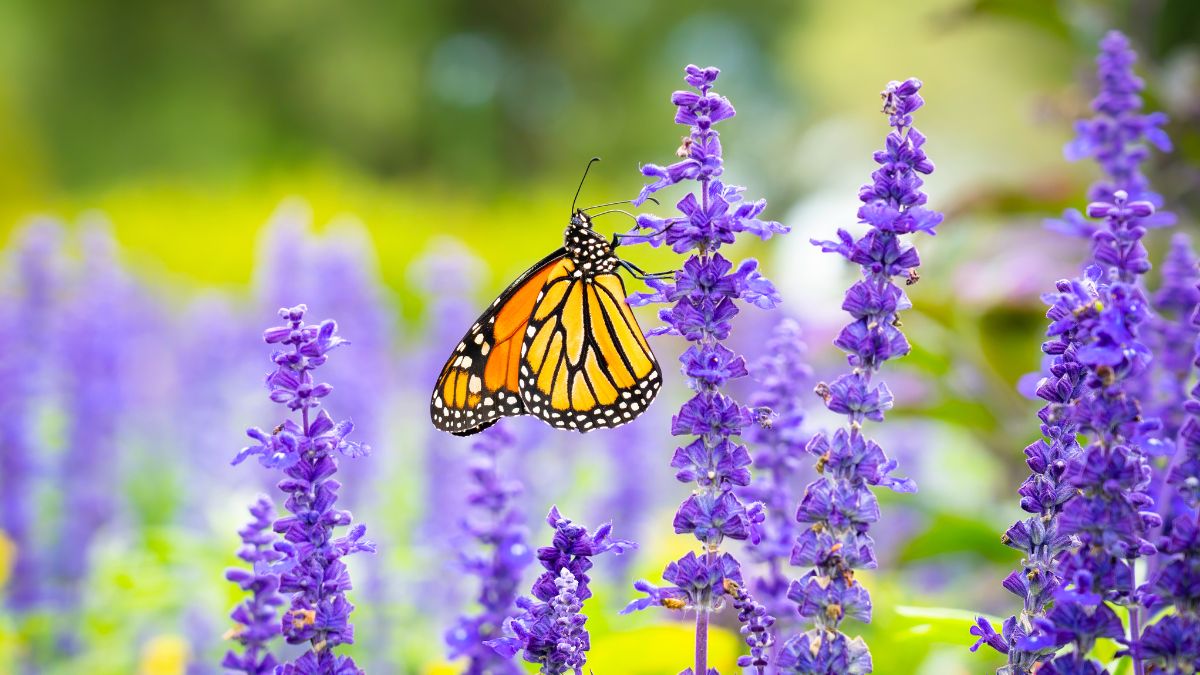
<point x="585" y="362"/>
<point x="480" y="382"/>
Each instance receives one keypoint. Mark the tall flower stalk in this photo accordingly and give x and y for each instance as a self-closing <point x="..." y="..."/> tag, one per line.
<point x="1171" y="337"/>
<point x="1116" y="137"/>
<point x="307" y="447"/>
<point x="96" y="358"/>
<point x="258" y="616"/>
<point x="1172" y="644"/>
<point x="839" y="507"/>
<point x="703" y="301"/>
<point x="496" y="553"/>
<point x="550" y="631"/>
<point x="779" y="457"/>
<point x="24" y="370"/>
<point x="448" y="276"/>
<point x="1091" y="505"/>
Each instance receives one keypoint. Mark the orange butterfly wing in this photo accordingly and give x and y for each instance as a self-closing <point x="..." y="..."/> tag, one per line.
<point x="585" y="361"/>
<point x="480" y="382"/>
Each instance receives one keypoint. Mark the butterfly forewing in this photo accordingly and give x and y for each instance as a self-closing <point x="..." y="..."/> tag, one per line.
<point x="480" y="382"/>
<point x="585" y="362"/>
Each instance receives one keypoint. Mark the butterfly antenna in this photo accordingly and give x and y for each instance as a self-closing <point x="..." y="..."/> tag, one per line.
<point x="604" y="213"/>
<point x="585" y="173"/>
<point x="623" y="201"/>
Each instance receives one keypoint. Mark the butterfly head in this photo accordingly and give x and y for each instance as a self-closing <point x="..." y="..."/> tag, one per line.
<point x="589" y="250"/>
<point x="580" y="221"/>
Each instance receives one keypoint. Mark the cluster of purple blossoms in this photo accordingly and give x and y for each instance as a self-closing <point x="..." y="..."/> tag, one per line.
<point x="1172" y="644"/>
<point x="550" y="629"/>
<point x="703" y="301"/>
<point x="1092" y="508"/>
<point x="779" y="458"/>
<point x="502" y="553"/>
<point x="1170" y="336"/>
<point x="316" y="578"/>
<point x="1116" y="138"/>
<point x="839" y="507"/>
<point x="257" y="615"/>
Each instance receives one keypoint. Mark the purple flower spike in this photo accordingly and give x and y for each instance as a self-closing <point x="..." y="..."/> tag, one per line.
<point x="31" y="290"/>
<point x="1172" y="644"/>
<point x="258" y="616"/>
<point x="550" y="629"/>
<point x="1117" y="135"/>
<point x="838" y="508"/>
<point x="308" y="452"/>
<point x="499" y="555"/>
<point x="1092" y="513"/>
<point x="704" y="297"/>
<point x="782" y="377"/>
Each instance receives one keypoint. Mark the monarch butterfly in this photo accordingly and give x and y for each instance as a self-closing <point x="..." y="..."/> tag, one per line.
<point x="559" y="343"/>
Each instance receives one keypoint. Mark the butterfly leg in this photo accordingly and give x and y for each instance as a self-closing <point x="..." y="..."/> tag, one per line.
<point x="639" y="273"/>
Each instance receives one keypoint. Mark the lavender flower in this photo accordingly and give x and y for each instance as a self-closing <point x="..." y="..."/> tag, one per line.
<point x="1092" y="508"/>
<point x="782" y="376"/>
<point x="550" y="629"/>
<point x="345" y="279"/>
<point x="756" y="625"/>
<point x="1116" y="138"/>
<point x="501" y="555"/>
<point x="1172" y="644"/>
<point x="839" y="507"/>
<point x="1170" y="335"/>
<point x="23" y="367"/>
<point x="257" y="615"/>
<point x="448" y="276"/>
<point x="1184" y="475"/>
<point x="704" y="295"/>
<point x="1111" y="515"/>
<point x="95" y="343"/>
<point x="308" y="453"/>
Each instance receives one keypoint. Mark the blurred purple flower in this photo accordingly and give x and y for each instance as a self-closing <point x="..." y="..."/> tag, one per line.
<point x="1116" y="138"/>
<point x="500" y="555"/>
<point x="308" y="453"/>
<point x="447" y="275"/>
<point x="838" y="508"/>
<point x="29" y="311"/>
<point x="550" y="631"/>
<point x="630" y="496"/>
<point x="257" y="616"/>
<point x="1171" y="644"/>
<point x="703" y="294"/>
<point x="1170" y="335"/>
<point x="96" y="352"/>
<point x="1117" y="135"/>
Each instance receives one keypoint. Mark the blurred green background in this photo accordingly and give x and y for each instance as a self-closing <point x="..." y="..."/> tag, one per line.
<point x="186" y="125"/>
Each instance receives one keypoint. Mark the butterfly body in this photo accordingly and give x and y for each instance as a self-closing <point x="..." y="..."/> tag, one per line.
<point x="560" y="343"/>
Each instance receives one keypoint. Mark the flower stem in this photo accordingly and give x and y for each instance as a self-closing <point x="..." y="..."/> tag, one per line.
<point x="1135" y="634"/>
<point x="701" y="641"/>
